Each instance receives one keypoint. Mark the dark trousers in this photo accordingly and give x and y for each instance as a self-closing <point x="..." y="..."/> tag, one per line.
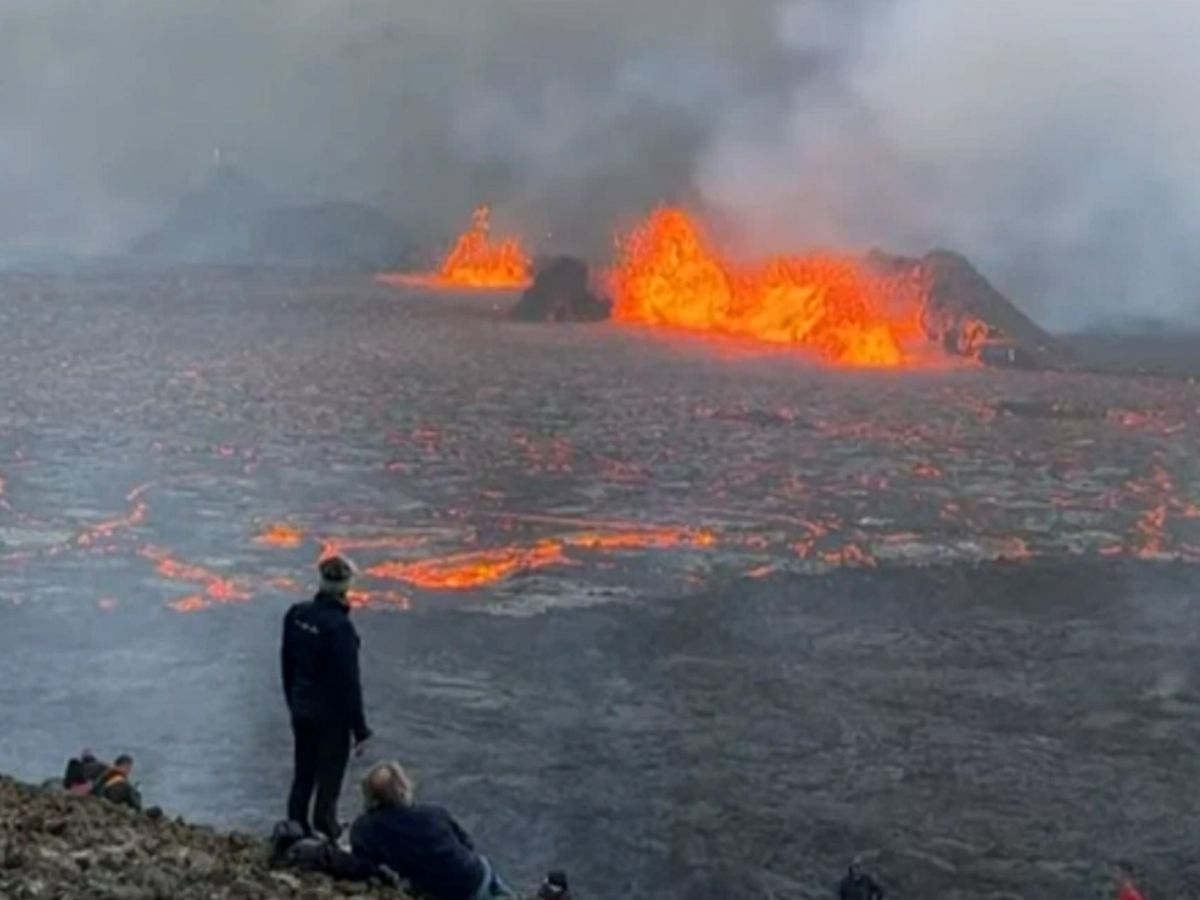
<point x="321" y="754"/>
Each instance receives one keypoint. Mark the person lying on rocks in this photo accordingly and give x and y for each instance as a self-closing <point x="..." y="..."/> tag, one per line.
<point x="114" y="785"/>
<point x="422" y="844"/>
<point x="82" y="772"/>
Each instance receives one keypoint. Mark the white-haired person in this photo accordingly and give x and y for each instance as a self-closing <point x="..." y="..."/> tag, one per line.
<point x="422" y="844"/>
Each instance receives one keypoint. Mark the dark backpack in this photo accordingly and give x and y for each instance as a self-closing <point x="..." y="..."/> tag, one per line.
<point x="858" y="885"/>
<point x="292" y="849"/>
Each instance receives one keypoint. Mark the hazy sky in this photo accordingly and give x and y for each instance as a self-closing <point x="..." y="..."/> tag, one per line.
<point x="1053" y="141"/>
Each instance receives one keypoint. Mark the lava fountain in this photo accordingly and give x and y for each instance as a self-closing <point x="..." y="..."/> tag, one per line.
<point x="476" y="261"/>
<point x="668" y="275"/>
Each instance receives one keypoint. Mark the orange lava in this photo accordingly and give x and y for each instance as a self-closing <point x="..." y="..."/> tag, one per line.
<point x="464" y="571"/>
<point x="476" y="261"/>
<point x="649" y="539"/>
<point x="103" y="531"/>
<point x="281" y="535"/>
<point x="668" y="275"/>
<point x="215" y="588"/>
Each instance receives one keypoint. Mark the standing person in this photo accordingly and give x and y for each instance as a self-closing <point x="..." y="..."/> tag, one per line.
<point x="324" y="696"/>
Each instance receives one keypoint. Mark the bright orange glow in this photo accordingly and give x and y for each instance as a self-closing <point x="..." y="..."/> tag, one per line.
<point x="650" y="539"/>
<point x="475" y="261"/>
<point x="668" y="275"/>
<point x="389" y="599"/>
<point x="464" y="571"/>
<point x="281" y="536"/>
<point x="215" y="588"/>
<point x="103" y="531"/>
<point x="189" y="604"/>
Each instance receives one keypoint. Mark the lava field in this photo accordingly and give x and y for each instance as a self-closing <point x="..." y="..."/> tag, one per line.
<point x="200" y="437"/>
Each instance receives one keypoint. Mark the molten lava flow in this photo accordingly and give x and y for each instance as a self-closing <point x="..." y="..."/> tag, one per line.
<point x="215" y="588"/>
<point x="463" y="571"/>
<point x="645" y="539"/>
<point x="104" y="531"/>
<point x="280" y="535"/>
<point x="466" y="571"/>
<point x="475" y="261"/>
<point x="668" y="275"/>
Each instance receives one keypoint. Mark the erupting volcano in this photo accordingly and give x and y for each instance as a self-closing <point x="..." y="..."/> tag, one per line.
<point x="667" y="274"/>
<point x="476" y="261"/>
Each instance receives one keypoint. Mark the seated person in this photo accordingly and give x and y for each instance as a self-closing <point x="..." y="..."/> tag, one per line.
<point x="422" y="844"/>
<point x="114" y="785"/>
<point x="82" y="772"/>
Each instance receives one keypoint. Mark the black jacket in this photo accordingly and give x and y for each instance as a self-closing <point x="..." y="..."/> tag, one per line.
<point x="320" y="666"/>
<point x="424" y="846"/>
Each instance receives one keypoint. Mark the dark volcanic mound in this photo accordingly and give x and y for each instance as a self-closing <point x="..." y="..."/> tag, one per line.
<point x="967" y="316"/>
<point x="228" y="220"/>
<point x="561" y="293"/>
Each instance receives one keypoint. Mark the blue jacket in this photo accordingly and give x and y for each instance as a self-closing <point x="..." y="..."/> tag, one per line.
<point x="319" y="658"/>
<point x="422" y="844"/>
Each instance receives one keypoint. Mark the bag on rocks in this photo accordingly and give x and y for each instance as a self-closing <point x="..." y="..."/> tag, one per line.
<point x="291" y="848"/>
<point x="284" y="836"/>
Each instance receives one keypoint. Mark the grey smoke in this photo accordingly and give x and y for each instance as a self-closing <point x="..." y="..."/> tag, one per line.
<point x="1051" y="142"/>
<point x="563" y="113"/>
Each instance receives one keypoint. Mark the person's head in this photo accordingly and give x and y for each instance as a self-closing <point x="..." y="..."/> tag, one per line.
<point x="1125" y="873"/>
<point x="87" y="756"/>
<point x="123" y="764"/>
<point x="336" y="574"/>
<point x="387" y="786"/>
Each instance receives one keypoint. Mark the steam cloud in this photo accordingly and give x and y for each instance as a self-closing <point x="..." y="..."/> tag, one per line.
<point x="1051" y="142"/>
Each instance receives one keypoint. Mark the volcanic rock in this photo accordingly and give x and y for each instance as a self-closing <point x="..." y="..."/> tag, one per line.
<point x="560" y="293"/>
<point x="229" y="220"/>
<point x="967" y="316"/>
<point x="54" y="845"/>
<point x="211" y="223"/>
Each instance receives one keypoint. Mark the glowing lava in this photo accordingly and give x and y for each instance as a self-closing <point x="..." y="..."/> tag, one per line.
<point x="668" y="275"/>
<point x="476" y="261"/>
<point x="215" y="588"/>
<point x="280" y="535"/>
<point x="463" y="571"/>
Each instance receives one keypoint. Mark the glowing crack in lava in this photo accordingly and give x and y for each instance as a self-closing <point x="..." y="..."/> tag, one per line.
<point x="214" y="588"/>
<point x="667" y="275"/>
<point x="465" y="571"/>
<point x="280" y="535"/>
<point x="476" y="261"/>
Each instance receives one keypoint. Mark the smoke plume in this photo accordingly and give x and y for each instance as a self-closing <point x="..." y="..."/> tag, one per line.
<point x="1051" y="142"/>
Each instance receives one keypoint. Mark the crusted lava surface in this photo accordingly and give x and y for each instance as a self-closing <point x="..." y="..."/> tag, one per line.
<point x="190" y="442"/>
<point x="174" y="427"/>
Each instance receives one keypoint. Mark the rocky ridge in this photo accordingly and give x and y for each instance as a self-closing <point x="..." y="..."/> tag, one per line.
<point x="54" y="846"/>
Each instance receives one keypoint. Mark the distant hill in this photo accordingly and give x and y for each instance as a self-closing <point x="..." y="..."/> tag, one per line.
<point x="230" y="220"/>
